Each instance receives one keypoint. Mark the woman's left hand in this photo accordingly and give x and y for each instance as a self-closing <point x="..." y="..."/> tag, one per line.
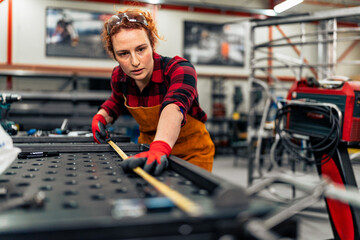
<point x="155" y="160"/>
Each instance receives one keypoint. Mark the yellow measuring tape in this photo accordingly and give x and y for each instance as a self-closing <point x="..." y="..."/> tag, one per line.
<point x="178" y="199"/>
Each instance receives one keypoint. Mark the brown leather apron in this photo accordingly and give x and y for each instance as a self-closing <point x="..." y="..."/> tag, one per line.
<point x="193" y="144"/>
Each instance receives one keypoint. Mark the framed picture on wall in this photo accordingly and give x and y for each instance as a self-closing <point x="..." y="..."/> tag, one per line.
<point x="214" y="44"/>
<point x="74" y="33"/>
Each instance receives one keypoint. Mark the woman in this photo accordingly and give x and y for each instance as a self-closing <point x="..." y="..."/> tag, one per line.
<point x="159" y="92"/>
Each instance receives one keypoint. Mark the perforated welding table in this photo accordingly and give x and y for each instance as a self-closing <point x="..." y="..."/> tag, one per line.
<point x="82" y="183"/>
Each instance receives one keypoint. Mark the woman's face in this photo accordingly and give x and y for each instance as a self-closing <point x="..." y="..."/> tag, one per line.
<point x="134" y="53"/>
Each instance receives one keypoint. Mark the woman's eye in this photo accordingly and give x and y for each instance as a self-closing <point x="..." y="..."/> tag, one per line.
<point x="123" y="54"/>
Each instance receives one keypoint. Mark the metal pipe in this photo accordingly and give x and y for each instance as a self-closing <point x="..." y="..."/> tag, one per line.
<point x="317" y="188"/>
<point x="330" y="40"/>
<point x="309" y="34"/>
<point x="316" y="16"/>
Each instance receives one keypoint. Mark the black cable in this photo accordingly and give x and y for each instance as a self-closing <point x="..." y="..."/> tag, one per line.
<point x="324" y="139"/>
<point x="289" y="141"/>
<point x="292" y="146"/>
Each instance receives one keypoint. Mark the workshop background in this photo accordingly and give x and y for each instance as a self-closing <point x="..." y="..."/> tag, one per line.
<point x="243" y="70"/>
<point x="223" y="89"/>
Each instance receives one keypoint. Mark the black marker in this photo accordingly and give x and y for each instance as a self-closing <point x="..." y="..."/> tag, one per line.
<point x="37" y="154"/>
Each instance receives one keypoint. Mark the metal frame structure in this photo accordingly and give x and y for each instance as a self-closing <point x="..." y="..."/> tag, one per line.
<point x="324" y="39"/>
<point x="266" y="57"/>
<point x="315" y="190"/>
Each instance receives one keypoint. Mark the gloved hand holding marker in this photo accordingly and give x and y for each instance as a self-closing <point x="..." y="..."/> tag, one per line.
<point x="98" y="127"/>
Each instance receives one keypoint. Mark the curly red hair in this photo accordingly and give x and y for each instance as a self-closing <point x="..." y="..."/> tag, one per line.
<point x="151" y="30"/>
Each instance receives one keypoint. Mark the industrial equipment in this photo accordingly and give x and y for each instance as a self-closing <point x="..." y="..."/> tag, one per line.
<point x="344" y="94"/>
<point x="325" y="115"/>
<point x="5" y="103"/>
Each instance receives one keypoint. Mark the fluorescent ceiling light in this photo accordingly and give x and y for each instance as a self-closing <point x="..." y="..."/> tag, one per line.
<point x="286" y="5"/>
<point x="154" y="1"/>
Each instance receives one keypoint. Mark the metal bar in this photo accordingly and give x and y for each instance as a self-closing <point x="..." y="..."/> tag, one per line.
<point x="76" y="147"/>
<point x="301" y="54"/>
<point x="65" y="139"/>
<point x="322" y="49"/>
<point x="345" y="39"/>
<point x="350" y="194"/>
<point x="38" y="74"/>
<point x="65" y="96"/>
<point x="251" y="110"/>
<point x="317" y="188"/>
<point x="283" y="57"/>
<point x="356" y="62"/>
<point x="326" y="31"/>
<point x="334" y="46"/>
<point x="294" y="66"/>
<point x="317" y="16"/>
<point x="298" y="52"/>
<point x="290" y="211"/>
<point x="261" y="135"/>
<point x="270" y="51"/>
<point x="347" y="51"/>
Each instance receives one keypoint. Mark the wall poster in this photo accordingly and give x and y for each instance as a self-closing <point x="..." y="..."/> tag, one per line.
<point x="215" y="44"/>
<point x="74" y="33"/>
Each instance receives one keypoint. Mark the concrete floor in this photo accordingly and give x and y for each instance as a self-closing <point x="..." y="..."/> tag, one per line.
<point x="313" y="222"/>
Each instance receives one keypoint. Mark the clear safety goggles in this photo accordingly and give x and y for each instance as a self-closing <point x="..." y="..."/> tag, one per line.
<point x="130" y="16"/>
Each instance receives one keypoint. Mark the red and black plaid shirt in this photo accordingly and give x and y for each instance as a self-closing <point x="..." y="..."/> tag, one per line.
<point x="173" y="81"/>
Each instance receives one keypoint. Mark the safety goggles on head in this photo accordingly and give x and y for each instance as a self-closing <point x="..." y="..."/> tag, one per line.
<point x="130" y="16"/>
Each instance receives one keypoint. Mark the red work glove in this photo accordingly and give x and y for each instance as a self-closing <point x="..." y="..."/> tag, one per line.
<point x="100" y="133"/>
<point x="153" y="160"/>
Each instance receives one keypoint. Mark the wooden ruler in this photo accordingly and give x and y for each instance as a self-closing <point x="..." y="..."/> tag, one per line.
<point x="177" y="198"/>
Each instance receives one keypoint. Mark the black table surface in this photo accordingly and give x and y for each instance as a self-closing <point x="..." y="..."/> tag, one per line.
<point x="88" y="196"/>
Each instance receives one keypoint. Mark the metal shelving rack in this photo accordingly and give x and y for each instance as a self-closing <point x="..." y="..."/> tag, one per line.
<point x="324" y="39"/>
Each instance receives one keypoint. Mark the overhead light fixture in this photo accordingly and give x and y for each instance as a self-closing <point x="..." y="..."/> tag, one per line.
<point x="154" y="1"/>
<point x="285" y="5"/>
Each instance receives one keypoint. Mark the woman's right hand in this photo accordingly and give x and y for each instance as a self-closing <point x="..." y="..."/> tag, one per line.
<point x="100" y="133"/>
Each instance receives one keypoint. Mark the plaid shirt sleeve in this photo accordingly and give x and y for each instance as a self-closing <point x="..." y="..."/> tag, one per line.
<point x="181" y="76"/>
<point x="114" y="105"/>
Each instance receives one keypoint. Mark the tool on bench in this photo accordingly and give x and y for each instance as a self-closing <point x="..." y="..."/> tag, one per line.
<point x="6" y="99"/>
<point x="36" y="200"/>
<point x="37" y="154"/>
<point x="178" y="199"/>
